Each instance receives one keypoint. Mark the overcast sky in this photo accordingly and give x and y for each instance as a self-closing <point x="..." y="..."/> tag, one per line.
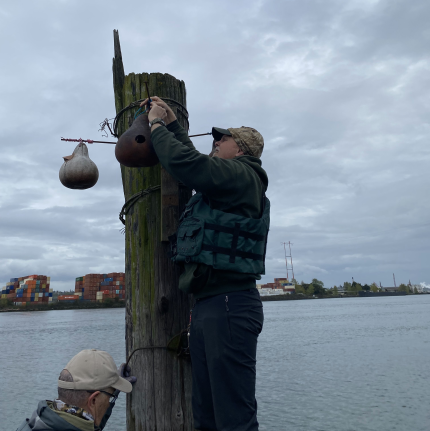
<point x="338" y="89"/>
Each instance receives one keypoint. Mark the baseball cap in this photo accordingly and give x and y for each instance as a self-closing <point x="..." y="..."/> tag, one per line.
<point x="94" y="370"/>
<point x="248" y="139"/>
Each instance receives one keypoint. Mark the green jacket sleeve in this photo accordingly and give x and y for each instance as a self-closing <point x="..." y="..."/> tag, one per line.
<point x="212" y="176"/>
<point x="180" y="133"/>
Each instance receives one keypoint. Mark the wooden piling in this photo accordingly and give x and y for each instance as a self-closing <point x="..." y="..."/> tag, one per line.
<point x="155" y="308"/>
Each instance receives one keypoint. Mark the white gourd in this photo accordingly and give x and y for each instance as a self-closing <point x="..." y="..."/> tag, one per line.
<point x="78" y="170"/>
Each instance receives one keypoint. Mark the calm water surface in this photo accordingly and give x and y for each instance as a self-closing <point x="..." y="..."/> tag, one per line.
<point x="359" y="364"/>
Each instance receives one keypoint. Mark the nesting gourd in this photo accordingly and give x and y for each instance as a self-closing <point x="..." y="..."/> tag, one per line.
<point x="134" y="148"/>
<point x="78" y="170"/>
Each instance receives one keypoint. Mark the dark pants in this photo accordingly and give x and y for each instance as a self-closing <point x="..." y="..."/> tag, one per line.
<point x="223" y="346"/>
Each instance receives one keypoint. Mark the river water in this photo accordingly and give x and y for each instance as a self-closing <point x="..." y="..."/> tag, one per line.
<point x="350" y="364"/>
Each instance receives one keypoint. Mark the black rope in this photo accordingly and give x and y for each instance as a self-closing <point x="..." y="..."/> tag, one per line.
<point x="179" y="350"/>
<point x="137" y="103"/>
<point x="144" y="348"/>
<point x="133" y="199"/>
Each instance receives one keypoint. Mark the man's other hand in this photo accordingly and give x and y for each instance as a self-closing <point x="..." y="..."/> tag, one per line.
<point x="125" y="372"/>
<point x="160" y="103"/>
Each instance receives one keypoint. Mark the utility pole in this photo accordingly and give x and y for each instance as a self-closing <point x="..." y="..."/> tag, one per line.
<point x="288" y="256"/>
<point x="394" y="278"/>
<point x="156" y="309"/>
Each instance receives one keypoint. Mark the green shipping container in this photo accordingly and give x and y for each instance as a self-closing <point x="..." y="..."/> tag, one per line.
<point x="80" y="279"/>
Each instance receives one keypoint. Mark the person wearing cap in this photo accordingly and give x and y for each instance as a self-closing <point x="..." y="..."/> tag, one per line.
<point x="221" y="245"/>
<point x="87" y="390"/>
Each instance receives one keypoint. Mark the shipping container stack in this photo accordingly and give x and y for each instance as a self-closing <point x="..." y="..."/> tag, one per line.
<point x="29" y="290"/>
<point x="280" y="283"/>
<point x="99" y="287"/>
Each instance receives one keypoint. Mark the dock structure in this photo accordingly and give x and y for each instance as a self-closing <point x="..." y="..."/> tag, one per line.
<point x="156" y="309"/>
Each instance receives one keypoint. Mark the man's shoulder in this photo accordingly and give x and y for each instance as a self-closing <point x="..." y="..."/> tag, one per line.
<point x="46" y="419"/>
<point x="35" y="422"/>
<point x="251" y="171"/>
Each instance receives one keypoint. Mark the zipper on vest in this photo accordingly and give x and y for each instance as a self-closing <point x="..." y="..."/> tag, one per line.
<point x="226" y="304"/>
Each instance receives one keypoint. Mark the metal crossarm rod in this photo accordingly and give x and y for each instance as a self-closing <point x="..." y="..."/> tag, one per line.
<point x="89" y="141"/>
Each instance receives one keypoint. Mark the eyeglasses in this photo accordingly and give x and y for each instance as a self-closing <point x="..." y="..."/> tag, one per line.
<point x="112" y="397"/>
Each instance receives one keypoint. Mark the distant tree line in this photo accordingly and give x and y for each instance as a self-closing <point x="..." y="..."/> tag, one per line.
<point x="316" y="288"/>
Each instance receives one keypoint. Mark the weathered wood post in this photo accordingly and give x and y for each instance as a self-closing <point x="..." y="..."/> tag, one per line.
<point x="155" y="308"/>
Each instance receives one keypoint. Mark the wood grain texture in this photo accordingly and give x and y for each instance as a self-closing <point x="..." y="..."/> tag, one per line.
<point x="155" y="308"/>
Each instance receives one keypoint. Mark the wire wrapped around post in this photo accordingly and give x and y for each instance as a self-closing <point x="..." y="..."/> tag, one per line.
<point x="133" y="199"/>
<point x="136" y="104"/>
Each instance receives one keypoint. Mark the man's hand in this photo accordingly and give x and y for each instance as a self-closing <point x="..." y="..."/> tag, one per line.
<point x="125" y="372"/>
<point x="170" y="116"/>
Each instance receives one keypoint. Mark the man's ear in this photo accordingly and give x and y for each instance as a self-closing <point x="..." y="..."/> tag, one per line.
<point x="239" y="153"/>
<point x="92" y="399"/>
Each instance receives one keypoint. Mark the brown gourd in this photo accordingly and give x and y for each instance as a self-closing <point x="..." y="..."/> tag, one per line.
<point x="78" y="170"/>
<point x="134" y="148"/>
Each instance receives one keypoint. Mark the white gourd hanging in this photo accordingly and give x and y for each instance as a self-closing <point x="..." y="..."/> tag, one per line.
<point x="78" y="170"/>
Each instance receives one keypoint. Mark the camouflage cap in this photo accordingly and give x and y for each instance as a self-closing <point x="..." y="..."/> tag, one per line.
<point x="248" y="140"/>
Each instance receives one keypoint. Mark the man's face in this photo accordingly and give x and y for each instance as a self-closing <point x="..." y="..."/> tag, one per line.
<point x="226" y="148"/>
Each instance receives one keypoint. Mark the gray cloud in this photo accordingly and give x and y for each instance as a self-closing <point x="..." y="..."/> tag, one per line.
<point x="338" y="89"/>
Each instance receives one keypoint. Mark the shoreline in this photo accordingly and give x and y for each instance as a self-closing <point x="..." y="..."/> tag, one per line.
<point x="94" y="306"/>
<point x="56" y="307"/>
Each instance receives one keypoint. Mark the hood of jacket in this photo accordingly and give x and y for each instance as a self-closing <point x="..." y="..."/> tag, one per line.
<point x="255" y="164"/>
<point x="46" y="419"/>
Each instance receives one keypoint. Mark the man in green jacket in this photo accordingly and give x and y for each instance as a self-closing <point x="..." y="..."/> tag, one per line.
<point x="221" y="242"/>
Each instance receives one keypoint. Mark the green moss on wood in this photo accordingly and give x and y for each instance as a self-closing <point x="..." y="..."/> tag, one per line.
<point x="163" y="382"/>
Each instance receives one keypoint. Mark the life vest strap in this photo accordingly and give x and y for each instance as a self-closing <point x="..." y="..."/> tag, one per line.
<point x="231" y="230"/>
<point x="239" y="253"/>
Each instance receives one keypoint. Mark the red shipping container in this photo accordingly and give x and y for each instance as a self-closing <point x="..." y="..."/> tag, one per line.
<point x="66" y="297"/>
